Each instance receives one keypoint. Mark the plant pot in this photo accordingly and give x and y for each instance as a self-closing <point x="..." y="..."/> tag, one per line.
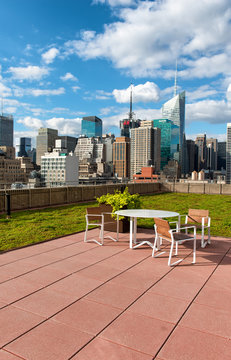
<point x="124" y="225"/>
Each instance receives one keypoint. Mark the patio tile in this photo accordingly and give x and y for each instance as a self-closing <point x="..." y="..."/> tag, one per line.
<point x="4" y="355"/>
<point x="68" y="266"/>
<point x="217" y="298"/>
<point x="185" y="344"/>
<point x="50" y="340"/>
<point x="135" y="279"/>
<point x="220" y="280"/>
<point x="87" y="316"/>
<point x="15" y="322"/>
<point x="138" y="332"/>
<point x="177" y="287"/>
<point x="15" y="269"/>
<point x="16" y="289"/>
<point x="159" y="307"/>
<point x="44" y="276"/>
<point x="114" y="295"/>
<point x="99" y="272"/>
<point x="100" y="349"/>
<point x="76" y="285"/>
<point x="208" y="319"/>
<point x="125" y="260"/>
<point x="45" y="302"/>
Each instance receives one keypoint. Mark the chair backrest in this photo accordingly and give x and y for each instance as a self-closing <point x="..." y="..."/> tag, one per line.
<point x="196" y="215"/>
<point x="162" y="228"/>
<point x="94" y="211"/>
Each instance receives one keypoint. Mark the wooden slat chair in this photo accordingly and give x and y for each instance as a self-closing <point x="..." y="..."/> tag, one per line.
<point x="199" y="218"/>
<point x="95" y="217"/>
<point x="163" y="231"/>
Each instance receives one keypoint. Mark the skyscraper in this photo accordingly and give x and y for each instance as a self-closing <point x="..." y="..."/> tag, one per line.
<point x="228" y="154"/>
<point x="212" y="147"/>
<point x="127" y="124"/>
<point x="6" y="130"/>
<point x="169" y="140"/>
<point x="121" y="157"/>
<point x="24" y="146"/>
<point x="45" y="142"/>
<point x="145" y="148"/>
<point x="221" y="155"/>
<point x="201" y="152"/>
<point x="91" y="126"/>
<point x="174" y="110"/>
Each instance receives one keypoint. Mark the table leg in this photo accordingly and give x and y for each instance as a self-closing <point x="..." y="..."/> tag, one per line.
<point x="135" y="229"/>
<point x="131" y="232"/>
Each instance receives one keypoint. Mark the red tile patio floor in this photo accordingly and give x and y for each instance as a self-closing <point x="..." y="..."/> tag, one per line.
<point x="65" y="299"/>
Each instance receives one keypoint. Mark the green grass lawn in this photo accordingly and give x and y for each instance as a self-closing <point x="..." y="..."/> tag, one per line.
<point x="33" y="226"/>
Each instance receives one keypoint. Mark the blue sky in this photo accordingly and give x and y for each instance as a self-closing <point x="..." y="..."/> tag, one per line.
<point x="61" y="60"/>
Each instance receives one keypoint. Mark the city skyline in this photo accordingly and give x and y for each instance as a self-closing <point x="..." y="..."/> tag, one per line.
<point x="62" y="61"/>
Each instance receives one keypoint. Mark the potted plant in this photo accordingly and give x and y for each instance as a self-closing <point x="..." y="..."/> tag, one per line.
<point x="117" y="201"/>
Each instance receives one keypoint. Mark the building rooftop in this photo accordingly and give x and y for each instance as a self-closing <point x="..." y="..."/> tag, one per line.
<point x="66" y="299"/>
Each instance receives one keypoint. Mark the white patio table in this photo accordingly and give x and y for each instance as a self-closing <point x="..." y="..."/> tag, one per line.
<point x="143" y="213"/>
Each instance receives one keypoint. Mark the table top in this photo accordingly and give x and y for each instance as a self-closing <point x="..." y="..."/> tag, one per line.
<point x="146" y="213"/>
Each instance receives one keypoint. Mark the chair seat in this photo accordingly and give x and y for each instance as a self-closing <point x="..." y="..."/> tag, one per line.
<point x="180" y="236"/>
<point x="198" y="226"/>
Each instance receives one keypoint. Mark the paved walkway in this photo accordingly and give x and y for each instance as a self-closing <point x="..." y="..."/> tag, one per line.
<point x="65" y="299"/>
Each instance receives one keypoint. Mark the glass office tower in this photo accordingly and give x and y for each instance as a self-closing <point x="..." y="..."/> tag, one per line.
<point x="6" y="130"/>
<point x="169" y="140"/>
<point x="24" y="147"/>
<point x="174" y="110"/>
<point x="91" y="126"/>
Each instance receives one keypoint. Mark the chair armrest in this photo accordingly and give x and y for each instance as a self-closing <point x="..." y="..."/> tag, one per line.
<point x="208" y="223"/>
<point x="183" y="228"/>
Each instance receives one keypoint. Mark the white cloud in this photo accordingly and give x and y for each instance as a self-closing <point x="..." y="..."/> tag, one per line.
<point x="4" y="90"/>
<point x="47" y="92"/>
<point x="75" y="88"/>
<point x="147" y="92"/>
<point x="202" y="92"/>
<point x="28" y="73"/>
<point x="115" y="2"/>
<point x="210" y="111"/>
<point x="153" y="34"/>
<point x="49" y="56"/>
<point x="68" y="76"/>
<point x="65" y="126"/>
<point x="32" y="123"/>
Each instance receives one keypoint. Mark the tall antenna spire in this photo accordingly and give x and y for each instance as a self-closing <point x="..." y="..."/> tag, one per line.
<point x="175" y="85"/>
<point x="130" y="112"/>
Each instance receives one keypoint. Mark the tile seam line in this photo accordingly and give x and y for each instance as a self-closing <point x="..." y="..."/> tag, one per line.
<point x="206" y="332"/>
<point x="122" y="312"/>
<point x="54" y="262"/>
<point x="18" y="356"/>
<point x="170" y="270"/>
<point x="174" y="328"/>
<point x="54" y="282"/>
<point x="44" y="252"/>
<point x="50" y="317"/>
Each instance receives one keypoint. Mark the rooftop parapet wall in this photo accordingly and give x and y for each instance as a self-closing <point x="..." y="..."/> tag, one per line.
<point x="45" y="197"/>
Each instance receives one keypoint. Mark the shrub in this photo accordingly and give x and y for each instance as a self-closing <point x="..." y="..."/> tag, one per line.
<point x="120" y="200"/>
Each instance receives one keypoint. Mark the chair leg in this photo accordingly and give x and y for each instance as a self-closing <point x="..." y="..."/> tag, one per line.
<point x="209" y="240"/>
<point x="176" y="252"/>
<point x="170" y="253"/>
<point x="85" y="235"/>
<point x="194" y="250"/>
<point x="154" y="246"/>
<point x="202" y="237"/>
